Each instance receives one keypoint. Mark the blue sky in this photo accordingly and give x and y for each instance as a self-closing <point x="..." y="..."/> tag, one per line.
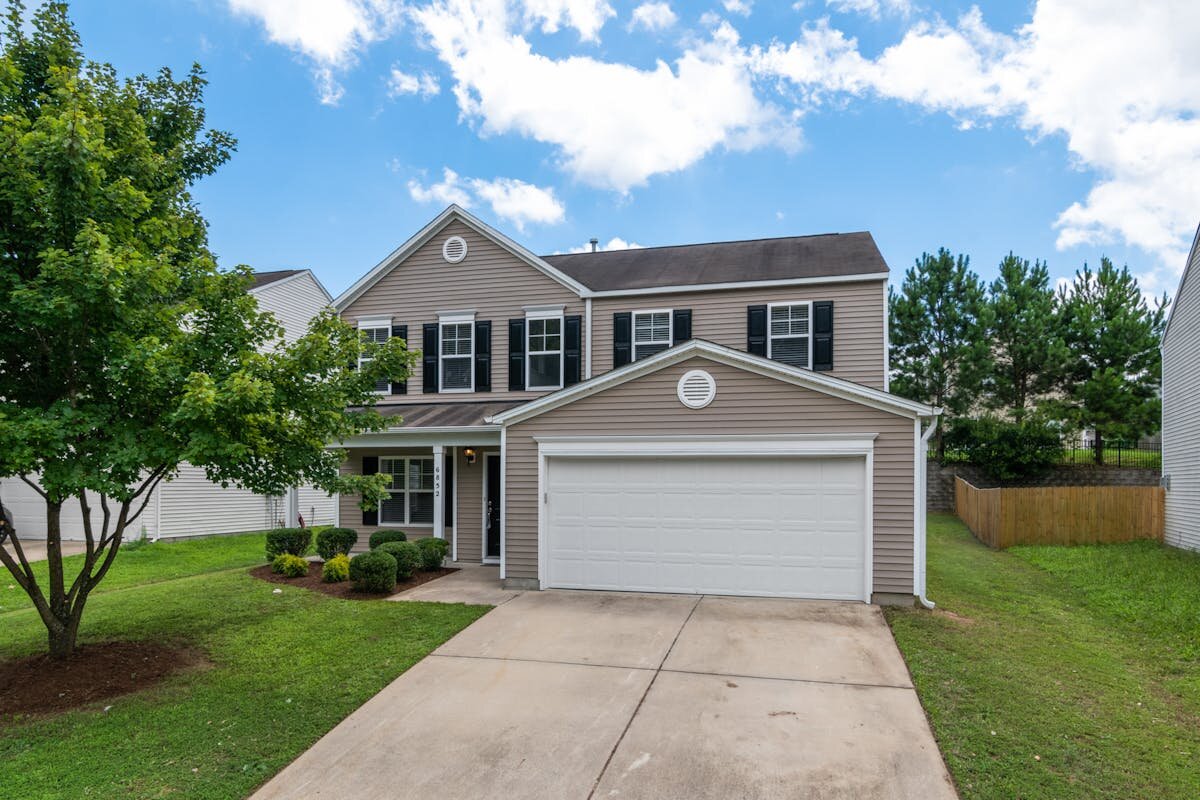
<point x="979" y="128"/>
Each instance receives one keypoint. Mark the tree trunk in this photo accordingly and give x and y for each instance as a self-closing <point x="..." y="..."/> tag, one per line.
<point x="65" y="627"/>
<point x="62" y="642"/>
<point x="1098" y="449"/>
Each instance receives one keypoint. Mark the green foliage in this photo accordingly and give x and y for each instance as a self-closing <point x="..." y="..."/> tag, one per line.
<point x="407" y="555"/>
<point x="433" y="552"/>
<point x="374" y="572"/>
<point x="296" y="541"/>
<point x="1007" y="451"/>
<point x="386" y="535"/>
<point x="336" y="569"/>
<point x="335" y="541"/>
<point x="289" y="566"/>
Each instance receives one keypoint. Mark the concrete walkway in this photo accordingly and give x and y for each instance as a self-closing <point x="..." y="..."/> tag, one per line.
<point x="474" y="584"/>
<point x="35" y="549"/>
<point x="574" y="695"/>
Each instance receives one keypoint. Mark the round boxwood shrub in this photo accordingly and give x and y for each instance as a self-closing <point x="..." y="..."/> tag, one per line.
<point x="433" y="551"/>
<point x="387" y="535"/>
<point x="288" y="540"/>
<point x="289" y="566"/>
<point x="373" y="572"/>
<point x="335" y="541"/>
<point x="336" y="569"/>
<point x="407" y="555"/>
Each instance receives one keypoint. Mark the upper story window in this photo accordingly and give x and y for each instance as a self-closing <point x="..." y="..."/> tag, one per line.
<point x="410" y="494"/>
<point x="544" y="349"/>
<point x="789" y="333"/>
<point x="376" y="331"/>
<point x="651" y="332"/>
<point x="457" y="353"/>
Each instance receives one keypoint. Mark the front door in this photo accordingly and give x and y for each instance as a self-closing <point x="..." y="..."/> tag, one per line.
<point x="491" y="515"/>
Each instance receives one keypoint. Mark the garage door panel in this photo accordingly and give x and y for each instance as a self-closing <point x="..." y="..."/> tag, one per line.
<point x="787" y="526"/>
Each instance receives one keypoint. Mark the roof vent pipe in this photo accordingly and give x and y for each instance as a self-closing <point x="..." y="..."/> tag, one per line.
<point x="594" y="242"/>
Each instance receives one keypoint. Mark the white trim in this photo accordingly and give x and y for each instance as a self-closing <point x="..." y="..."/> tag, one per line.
<point x="719" y="287"/>
<point x="798" y="445"/>
<point x="289" y="279"/>
<point x="504" y="504"/>
<point x="483" y="554"/>
<point x="587" y="343"/>
<point x="920" y="545"/>
<point x="443" y="323"/>
<point x="710" y="382"/>
<point x="543" y="312"/>
<point x="649" y="312"/>
<point x="1179" y="289"/>
<point x="430" y="230"/>
<point x="887" y="341"/>
<point x="816" y="381"/>
<point x="545" y="316"/>
<point x="439" y="501"/>
<point x="408" y="492"/>
<point x="375" y="322"/>
<point x="446" y="256"/>
<point x="457" y="518"/>
<point x="809" y="336"/>
<point x="461" y="315"/>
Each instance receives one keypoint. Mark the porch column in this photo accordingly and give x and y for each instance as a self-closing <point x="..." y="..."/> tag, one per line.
<point x="439" y="505"/>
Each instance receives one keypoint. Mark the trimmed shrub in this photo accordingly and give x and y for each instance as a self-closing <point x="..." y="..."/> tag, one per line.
<point x="336" y="569"/>
<point x="1007" y="451"/>
<point x="387" y="535"/>
<point x="373" y="572"/>
<point x="407" y="555"/>
<point x="335" y="541"/>
<point x="433" y="551"/>
<point x="288" y="540"/>
<point x="289" y="566"/>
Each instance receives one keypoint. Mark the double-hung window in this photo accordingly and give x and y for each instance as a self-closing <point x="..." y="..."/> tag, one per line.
<point x="457" y="373"/>
<point x="410" y="494"/>
<point x="789" y="336"/>
<point x="544" y="350"/>
<point x="376" y="331"/>
<point x="651" y="332"/>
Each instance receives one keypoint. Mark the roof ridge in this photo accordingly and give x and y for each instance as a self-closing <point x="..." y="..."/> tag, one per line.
<point x="709" y="244"/>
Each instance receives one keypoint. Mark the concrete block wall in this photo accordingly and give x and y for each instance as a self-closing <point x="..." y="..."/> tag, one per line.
<point x="939" y="492"/>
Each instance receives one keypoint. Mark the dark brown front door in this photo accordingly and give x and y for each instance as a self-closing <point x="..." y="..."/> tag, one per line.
<point x="491" y="533"/>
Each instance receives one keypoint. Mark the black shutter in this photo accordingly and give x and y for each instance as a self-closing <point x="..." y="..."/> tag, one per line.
<point x="572" y="349"/>
<point x="516" y="355"/>
<point x="400" y="332"/>
<point x="370" y="467"/>
<point x="448" y="491"/>
<point x="483" y="356"/>
<point x="622" y="338"/>
<point x="681" y="325"/>
<point x="756" y="330"/>
<point x="823" y="335"/>
<point x="429" y="358"/>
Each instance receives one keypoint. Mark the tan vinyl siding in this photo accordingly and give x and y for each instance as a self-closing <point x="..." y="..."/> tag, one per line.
<point x="720" y="316"/>
<point x="1181" y="413"/>
<point x="745" y="403"/>
<point x="351" y="513"/>
<point x="491" y="281"/>
<point x="468" y="514"/>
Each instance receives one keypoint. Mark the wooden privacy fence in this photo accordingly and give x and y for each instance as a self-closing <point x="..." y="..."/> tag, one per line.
<point x="1060" y="514"/>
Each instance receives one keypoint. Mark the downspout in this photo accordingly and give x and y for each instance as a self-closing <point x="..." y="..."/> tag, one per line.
<point x="922" y="511"/>
<point x="587" y="348"/>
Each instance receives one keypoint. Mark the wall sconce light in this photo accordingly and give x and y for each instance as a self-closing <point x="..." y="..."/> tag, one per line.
<point x="469" y="453"/>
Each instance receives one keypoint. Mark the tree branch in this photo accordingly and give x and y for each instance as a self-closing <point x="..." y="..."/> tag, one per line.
<point x="33" y="485"/>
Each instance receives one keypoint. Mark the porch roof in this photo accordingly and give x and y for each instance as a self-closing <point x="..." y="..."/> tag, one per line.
<point x="444" y="415"/>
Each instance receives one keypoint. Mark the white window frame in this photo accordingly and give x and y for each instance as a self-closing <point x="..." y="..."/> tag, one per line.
<point x="545" y="314"/>
<point x="771" y="337"/>
<point x="374" y="324"/>
<point x="633" y="342"/>
<point x="405" y="490"/>
<point x="445" y="321"/>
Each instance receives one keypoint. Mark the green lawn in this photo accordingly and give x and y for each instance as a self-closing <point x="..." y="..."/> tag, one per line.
<point x="1060" y="672"/>
<point x="286" y="669"/>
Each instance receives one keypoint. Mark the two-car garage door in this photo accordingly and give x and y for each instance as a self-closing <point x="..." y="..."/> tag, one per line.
<point x="788" y="526"/>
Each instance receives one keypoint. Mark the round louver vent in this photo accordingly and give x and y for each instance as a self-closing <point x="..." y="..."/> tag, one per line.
<point x="696" y="388"/>
<point x="454" y="249"/>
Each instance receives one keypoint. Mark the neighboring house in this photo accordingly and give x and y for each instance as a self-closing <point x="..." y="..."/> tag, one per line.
<point x="189" y="504"/>
<point x="1181" y="409"/>
<point x="708" y="418"/>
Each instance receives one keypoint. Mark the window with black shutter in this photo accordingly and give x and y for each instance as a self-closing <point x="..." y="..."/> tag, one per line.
<point x="429" y="358"/>
<point x="756" y="330"/>
<point x="400" y="332"/>
<point x="516" y="355"/>
<point x="483" y="356"/>
<point x="572" y="350"/>
<point x="823" y="335"/>
<point x="370" y="466"/>
<point x="622" y="338"/>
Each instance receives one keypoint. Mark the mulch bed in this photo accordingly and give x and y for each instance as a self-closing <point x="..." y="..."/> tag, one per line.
<point x="42" y="685"/>
<point x="344" y="589"/>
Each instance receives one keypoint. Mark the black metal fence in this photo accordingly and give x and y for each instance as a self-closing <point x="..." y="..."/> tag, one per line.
<point x="1081" y="451"/>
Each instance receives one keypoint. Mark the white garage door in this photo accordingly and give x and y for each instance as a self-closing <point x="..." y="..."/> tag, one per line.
<point x="779" y="526"/>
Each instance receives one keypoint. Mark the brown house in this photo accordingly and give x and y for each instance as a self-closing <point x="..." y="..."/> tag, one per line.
<point x="708" y="418"/>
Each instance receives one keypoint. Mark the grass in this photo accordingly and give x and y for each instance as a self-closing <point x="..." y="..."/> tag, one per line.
<point x="285" y="669"/>
<point x="1059" y="672"/>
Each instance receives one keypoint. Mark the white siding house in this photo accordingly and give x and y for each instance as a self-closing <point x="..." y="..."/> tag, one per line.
<point x="189" y="504"/>
<point x="1181" y="409"/>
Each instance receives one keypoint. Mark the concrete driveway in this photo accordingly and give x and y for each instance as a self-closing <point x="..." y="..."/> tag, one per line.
<point x="565" y="695"/>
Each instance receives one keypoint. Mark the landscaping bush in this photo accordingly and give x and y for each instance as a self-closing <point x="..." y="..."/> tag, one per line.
<point x="373" y="572"/>
<point x="387" y="535"/>
<point x="407" y="555"/>
<point x="288" y="540"/>
<point x="335" y="541"/>
<point x="433" y="551"/>
<point x="1007" y="451"/>
<point x="289" y="566"/>
<point x="336" y="569"/>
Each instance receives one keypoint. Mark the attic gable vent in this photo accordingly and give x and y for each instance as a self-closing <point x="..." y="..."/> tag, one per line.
<point x="454" y="249"/>
<point x="696" y="388"/>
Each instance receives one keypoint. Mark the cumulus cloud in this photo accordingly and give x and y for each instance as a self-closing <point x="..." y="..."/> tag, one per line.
<point x="743" y="7"/>
<point x="514" y="200"/>
<point x="653" y="16"/>
<point x="402" y="83"/>
<point x="871" y="8"/>
<point x="615" y="243"/>
<point x="587" y="17"/>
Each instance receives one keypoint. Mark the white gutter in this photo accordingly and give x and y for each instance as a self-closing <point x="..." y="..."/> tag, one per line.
<point x="587" y="351"/>
<point x="726" y="285"/>
<point x="920" y="557"/>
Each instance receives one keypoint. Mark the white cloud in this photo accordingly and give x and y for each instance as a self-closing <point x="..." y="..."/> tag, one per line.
<point x="614" y="125"/>
<point x="653" y="16"/>
<point x="402" y="83"/>
<point x="585" y="16"/>
<point x="514" y="200"/>
<point x="615" y="243"/>
<point x="871" y="8"/>
<point x="743" y="7"/>
<point x="327" y="32"/>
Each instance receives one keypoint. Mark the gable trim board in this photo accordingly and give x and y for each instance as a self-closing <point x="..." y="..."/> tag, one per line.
<point x="297" y="276"/>
<point x="1187" y="268"/>
<point x="718" y="287"/>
